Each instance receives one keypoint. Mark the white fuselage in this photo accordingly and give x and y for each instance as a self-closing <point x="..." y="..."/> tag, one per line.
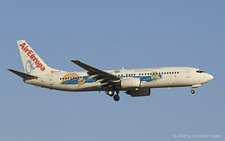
<point x="150" y="78"/>
<point x="135" y="82"/>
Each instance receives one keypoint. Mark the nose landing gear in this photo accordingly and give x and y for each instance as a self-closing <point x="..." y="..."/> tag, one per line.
<point x="192" y="91"/>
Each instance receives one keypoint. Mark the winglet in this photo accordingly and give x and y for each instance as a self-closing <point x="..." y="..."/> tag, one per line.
<point x="23" y="75"/>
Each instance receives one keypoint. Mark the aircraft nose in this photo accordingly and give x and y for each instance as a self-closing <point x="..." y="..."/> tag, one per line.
<point x="209" y="77"/>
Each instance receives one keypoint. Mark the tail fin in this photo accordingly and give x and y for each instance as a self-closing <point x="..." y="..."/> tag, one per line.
<point x="32" y="63"/>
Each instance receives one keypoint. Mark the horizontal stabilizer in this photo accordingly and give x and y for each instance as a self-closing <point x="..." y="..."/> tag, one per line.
<point x="23" y="75"/>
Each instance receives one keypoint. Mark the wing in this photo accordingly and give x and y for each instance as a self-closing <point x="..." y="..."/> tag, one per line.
<point x="99" y="75"/>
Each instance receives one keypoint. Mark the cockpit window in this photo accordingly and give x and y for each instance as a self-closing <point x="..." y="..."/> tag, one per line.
<point x="200" y="71"/>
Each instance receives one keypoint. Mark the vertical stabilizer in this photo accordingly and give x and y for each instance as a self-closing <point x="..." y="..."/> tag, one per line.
<point x="32" y="63"/>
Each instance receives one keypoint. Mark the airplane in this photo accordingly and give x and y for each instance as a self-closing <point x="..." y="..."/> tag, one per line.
<point x="135" y="82"/>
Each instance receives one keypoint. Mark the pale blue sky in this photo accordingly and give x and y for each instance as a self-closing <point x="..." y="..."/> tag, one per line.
<point x="111" y="35"/>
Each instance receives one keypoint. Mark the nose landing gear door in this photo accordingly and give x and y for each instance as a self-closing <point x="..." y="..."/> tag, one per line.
<point x="188" y="73"/>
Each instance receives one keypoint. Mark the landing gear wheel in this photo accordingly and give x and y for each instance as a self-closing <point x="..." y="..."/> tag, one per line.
<point x="110" y="93"/>
<point x="116" y="97"/>
<point x="192" y="91"/>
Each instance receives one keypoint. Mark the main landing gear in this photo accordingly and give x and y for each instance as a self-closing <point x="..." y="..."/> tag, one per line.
<point x="115" y="97"/>
<point x="110" y="93"/>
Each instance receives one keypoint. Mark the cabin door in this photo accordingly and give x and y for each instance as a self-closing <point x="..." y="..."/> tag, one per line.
<point x="188" y="73"/>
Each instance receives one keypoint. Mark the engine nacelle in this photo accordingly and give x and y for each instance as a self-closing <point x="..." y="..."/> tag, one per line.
<point x="131" y="83"/>
<point x="140" y="92"/>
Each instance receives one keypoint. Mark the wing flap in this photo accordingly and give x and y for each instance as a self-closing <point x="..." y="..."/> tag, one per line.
<point x="23" y="75"/>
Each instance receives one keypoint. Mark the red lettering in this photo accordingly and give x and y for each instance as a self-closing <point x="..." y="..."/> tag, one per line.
<point x="32" y="57"/>
<point x="23" y="45"/>
<point x="37" y="62"/>
<point x="30" y="53"/>
<point x="26" y="49"/>
<point x="43" y="68"/>
<point x="39" y="65"/>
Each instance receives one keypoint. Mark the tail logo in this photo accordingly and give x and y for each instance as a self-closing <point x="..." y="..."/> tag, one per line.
<point x="34" y="59"/>
<point x="29" y="67"/>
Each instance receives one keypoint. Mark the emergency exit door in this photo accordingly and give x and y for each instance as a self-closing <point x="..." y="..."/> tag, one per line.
<point x="51" y="80"/>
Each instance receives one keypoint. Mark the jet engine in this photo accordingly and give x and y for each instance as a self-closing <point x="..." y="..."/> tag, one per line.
<point x="131" y="83"/>
<point x="140" y="92"/>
